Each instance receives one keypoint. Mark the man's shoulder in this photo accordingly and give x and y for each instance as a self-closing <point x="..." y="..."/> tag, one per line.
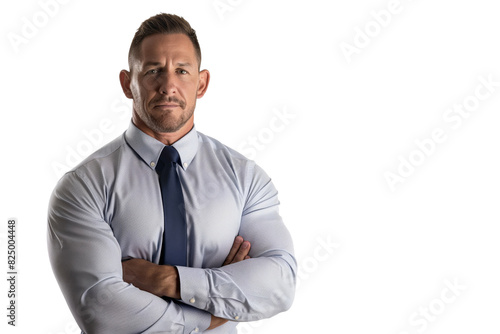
<point x="212" y="149"/>
<point x="215" y="146"/>
<point x="102" y="157"/>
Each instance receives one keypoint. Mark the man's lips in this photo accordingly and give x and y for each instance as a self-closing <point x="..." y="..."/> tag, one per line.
<point x="166" y="106"/>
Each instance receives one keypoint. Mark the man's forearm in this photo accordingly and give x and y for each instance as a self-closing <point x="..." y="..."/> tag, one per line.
<point x="163" y="280"/>
<point x="252" y="290"/>
<point x="261" y="296"/>
<point x="160" y="280"/>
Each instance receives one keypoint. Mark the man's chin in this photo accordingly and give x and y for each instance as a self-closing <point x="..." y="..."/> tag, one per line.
<point x="168" y="127"/>
<point x="165" y="121"/>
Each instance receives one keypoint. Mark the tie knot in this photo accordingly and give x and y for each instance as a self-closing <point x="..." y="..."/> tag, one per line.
<point x="167" y="156"/>
<point x="170" y="154"/>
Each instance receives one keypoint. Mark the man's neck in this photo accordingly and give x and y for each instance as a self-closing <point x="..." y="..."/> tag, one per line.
<point x="167" y="138"/>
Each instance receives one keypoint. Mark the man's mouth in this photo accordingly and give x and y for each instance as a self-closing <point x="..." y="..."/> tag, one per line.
<point x="166" y="106"/>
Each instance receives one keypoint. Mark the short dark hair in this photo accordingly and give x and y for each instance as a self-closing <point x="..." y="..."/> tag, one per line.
<point x="163" y="24"/>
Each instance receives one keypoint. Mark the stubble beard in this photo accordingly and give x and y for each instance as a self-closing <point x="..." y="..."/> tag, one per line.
<point x="164" y="121"/>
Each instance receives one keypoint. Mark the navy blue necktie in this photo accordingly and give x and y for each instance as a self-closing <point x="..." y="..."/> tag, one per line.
<point x="174" y="250"/>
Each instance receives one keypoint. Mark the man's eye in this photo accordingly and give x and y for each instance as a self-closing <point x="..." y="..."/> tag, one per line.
<point x="182" y="71"/>
<point x="153" y="71"/>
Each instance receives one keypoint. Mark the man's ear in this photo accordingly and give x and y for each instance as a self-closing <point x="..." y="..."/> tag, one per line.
<point x="125" y="79"/>
<point x="203" y="83"/>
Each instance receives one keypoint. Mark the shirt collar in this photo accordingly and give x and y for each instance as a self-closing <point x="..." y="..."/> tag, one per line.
<point x="149" y="149"/>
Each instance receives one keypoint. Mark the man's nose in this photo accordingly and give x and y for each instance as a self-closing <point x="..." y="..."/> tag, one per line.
<point x="167" y="83"/>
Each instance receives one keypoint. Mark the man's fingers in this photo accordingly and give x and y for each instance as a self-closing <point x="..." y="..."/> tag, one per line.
<point x="239" y="251"/>
<point x="236" y="246"/>
<point x="242" y="252"/>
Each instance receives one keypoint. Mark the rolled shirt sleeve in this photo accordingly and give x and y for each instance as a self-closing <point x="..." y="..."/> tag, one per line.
<point x="256" y="288"/>
<point x="86" y="260"/>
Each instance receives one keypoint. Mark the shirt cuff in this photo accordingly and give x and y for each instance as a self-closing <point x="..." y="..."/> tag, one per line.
<point x="194" y="287"/>
<point x="195" y="321"/>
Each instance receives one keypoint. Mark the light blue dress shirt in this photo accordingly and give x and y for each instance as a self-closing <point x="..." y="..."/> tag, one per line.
<point x="109" y="208"/>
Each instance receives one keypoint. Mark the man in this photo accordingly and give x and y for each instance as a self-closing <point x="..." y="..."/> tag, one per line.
<point x="123" y="263"/>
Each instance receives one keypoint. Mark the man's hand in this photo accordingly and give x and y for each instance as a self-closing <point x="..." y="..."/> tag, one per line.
<point x="162" y="281"/>
<point x="238" y="252"/>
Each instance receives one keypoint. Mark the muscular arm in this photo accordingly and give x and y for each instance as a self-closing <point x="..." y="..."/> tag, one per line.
<point x="261" y="286"/>
<point x="254" y="289"/>
<point x="163" y="280"/>
<point x="257" y="288"/>
<point x="86" y="260"/>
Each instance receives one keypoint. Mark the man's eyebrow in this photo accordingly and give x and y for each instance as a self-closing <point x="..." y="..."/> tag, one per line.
<point x="151" y="64"/>
<point x="157" y="63"/>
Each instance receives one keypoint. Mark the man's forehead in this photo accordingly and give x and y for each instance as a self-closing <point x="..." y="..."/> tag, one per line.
<point x="155" y="47"/>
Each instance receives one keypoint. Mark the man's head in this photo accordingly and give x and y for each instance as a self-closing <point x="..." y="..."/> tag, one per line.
<point x="163" y="24"/>
<point x="164" y="78"/>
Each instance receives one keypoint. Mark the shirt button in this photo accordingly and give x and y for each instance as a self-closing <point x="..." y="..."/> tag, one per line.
<point x="236" y="318"/>
<point x="185" y="164"/>
<point x="192" y="300"/>
<point x="152" y="164"/>
<point x="196" y="330"/>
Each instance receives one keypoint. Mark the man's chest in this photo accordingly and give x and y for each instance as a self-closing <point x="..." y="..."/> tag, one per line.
<point x="213" y="209"/>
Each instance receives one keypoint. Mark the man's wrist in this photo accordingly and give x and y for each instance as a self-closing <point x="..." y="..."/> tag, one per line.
<point x="216" y="322"/>
<point x="170" y="282"/>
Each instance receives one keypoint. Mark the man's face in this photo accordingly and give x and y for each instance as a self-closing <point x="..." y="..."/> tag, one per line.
<point x="164" y="83"/>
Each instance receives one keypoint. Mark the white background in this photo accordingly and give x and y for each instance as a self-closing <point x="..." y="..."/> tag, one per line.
<point x="391" y="253"/>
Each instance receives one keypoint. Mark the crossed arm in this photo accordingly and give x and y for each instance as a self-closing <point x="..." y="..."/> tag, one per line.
<point x="102" y="299"/>
<point x="163" y="280"/>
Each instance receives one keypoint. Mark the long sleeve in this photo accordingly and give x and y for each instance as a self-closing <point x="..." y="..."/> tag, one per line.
<point x="86" y="260"/>
<point x="256" y="288"/>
